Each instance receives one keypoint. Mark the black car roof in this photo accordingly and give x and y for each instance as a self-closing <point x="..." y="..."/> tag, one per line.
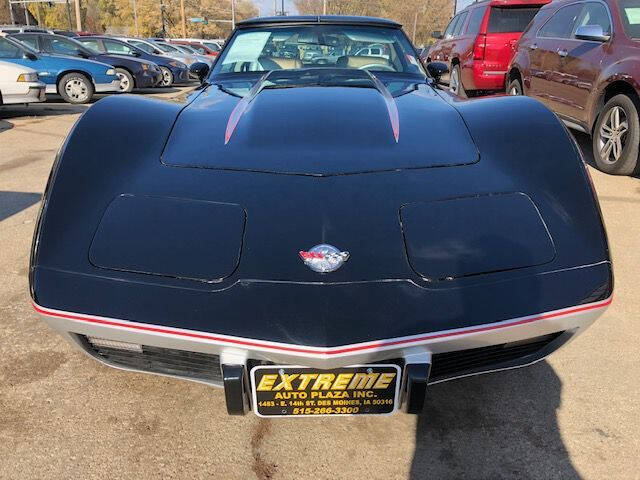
<point x="331" y="19"/>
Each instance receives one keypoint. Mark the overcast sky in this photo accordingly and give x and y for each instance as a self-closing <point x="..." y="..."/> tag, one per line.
<point x="266" y="7"/>
<point x="464" y="3"/>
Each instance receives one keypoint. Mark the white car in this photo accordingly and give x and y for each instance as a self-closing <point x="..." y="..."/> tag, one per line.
<point x="19" y="84"/>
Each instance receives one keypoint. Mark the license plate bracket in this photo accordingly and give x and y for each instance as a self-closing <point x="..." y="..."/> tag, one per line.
<point x="293" y="391"/>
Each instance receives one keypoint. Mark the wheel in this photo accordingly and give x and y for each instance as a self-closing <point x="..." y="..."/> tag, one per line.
<point x="167" y="77"/>
<point x="126" y="80"/>
<point x="455" y="82"/>
<point x="616" y="136"/>
<point x="75" y="88"/>
<point x="515" y="87"/>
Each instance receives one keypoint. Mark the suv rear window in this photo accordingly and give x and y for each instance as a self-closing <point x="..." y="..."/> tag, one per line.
<point x="509" y="20"/>
<point x="475" y="22"/>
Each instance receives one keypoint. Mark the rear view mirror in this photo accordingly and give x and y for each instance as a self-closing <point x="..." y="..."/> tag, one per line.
<point x="593" y="33"/>
<point x="437" y="70"/>
<point x="437" y="35"/>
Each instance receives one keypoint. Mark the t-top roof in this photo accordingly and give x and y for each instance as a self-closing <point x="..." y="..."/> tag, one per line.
<point x="340" y="19"/>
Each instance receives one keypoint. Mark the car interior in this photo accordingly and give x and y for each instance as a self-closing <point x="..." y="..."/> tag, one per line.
<point x="364" y="48"/>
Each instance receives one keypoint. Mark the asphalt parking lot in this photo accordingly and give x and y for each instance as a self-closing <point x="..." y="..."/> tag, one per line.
<point x="63" y="415"/>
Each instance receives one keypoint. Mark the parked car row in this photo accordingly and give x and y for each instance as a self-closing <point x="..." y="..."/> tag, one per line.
<point x="77" y="68"/>
<point x="578" y="57"/>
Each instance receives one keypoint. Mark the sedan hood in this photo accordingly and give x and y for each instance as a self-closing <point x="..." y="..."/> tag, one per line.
<point x="320" y="130"/>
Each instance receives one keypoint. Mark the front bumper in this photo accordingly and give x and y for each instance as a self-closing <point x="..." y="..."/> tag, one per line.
<point x="24" y="92"/>
<point x="113" y="86"/>
<point x="180" y="75"/>
<point x="454" y="353"/>
<point x="148" y="78"/>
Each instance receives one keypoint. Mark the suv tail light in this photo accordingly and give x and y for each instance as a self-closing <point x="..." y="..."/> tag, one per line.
<point x="479" y="47"/>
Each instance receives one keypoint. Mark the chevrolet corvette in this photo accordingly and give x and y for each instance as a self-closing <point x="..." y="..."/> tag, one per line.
<point x="319" y="239"/>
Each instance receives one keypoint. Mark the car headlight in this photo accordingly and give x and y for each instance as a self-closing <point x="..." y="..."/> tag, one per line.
<point x="28" y="77"/>
<point x="111" y="71"/>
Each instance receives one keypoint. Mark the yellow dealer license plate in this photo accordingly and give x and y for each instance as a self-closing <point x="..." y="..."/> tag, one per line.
<point x="286" y="391"/>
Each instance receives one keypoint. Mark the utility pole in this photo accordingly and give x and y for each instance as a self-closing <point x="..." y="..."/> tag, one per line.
<point x="282" y="12"/>
<point x="78" y="17"/>
<point x="184" y="21"/>
<point x="135" y="16"/>
<point x="164" y="27"/>
<point x="275" y="7"/>
<point x="69" y="15"/>
<point x="26" y="14"/>
<point x="415" y="25"/>
<point x="13" y="18"/>
<point x="324" y="7"/>
<point x="233" y="14"/>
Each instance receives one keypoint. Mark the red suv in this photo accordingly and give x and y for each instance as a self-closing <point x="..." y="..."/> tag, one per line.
<point x="479" y="41"/>
<point x="580" y="58"/>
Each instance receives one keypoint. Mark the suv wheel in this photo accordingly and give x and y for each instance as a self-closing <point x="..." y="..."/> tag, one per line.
<point x="126" y="80"/>
<point x="455" y="82"/>
<point x="616" y="136"/>
<point x="515" y="87"/>
<point x="75" y="88"/>
<point x="167" y="77"/>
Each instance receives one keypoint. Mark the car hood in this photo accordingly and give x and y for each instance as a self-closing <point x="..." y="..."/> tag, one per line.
<point x="9" y="71"/>
<point x="320" y="130"/>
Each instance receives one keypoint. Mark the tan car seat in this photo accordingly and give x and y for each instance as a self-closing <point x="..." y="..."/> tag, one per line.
<point x="360" y="61"/>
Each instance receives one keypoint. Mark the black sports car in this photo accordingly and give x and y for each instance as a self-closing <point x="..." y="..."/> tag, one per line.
<point x="319" y="239"/>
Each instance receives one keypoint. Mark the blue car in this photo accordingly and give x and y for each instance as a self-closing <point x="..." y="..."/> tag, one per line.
<point x="173" y="71"/>
<point x="75" y="79"/>
<point x="133" y="72"/>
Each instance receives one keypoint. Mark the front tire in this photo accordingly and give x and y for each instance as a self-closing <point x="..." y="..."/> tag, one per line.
<point x="455" y="83"/>
<point x="167" y="77"/>
<point x="616" y="136"/>
<point x="127" y="83"/>
<point x="75" y="88"/>
<point x="515" y="87"/>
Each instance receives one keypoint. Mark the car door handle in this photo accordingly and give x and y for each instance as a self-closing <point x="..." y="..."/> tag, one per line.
<point x="533" y="47"/>
<point x="563" y="53"/>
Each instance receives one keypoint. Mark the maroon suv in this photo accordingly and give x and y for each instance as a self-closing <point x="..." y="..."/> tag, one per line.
<point x="580" y="58"/>
<point x="479" y="42"/>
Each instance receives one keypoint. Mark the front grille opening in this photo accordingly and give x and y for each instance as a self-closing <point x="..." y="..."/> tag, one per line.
<point x="475" y="360"/>
<point x="167" y="361"/>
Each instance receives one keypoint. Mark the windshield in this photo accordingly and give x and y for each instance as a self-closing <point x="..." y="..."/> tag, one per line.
<point x="212" y="46"/>
<point x="166" y="48"/>
<point x="185" y="49"/>
<point x="287" y="48"/>
<point x="144" y="46"/>
<point x="10" y="48"/>
<point x="630" y="13"/>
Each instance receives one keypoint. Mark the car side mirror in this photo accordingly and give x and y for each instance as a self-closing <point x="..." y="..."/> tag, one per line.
<point x="437" y="35"/>
<point x="437" y="70"/>
<point x="30" y="56"/>
<point x="136" y="54"/>
<point x="200" y="70"/>
<point x="593" y="33"/>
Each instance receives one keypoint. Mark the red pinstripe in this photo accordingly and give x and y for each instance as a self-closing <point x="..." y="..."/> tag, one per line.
<point x="319" y="351"/>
